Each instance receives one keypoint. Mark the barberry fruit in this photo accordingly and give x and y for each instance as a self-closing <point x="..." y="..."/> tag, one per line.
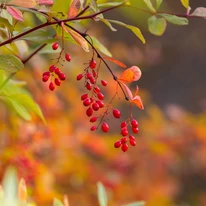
<point x="123" y="124"/>
<point x="100" y="103"/>
<point x="132" y="137"/>
<point x="88" y="86"/>
<point x="62" y="76"/>
<point x="134" y="123"/>
<point x="105" y="127"/>
<point x="135" y="130"/>
<point x="132" y="142"/>
<point x="52" y="68"/>
<point x="87" y="102"/>
<point x="57" y="70"/>
<point x="45" y="78"/>
<point x="100" y="96"/>
<point x="93" y="128"/>
<point x="93" y="119"/>
<point x="92" y="64"/>
<point x="95" y="106"/>
<point x="124" y="131"/>
<point x="123" y="140"/>
<point x="89" y="112"/>
<point x="51" y="86"/>
<point x="68" y="57"/>
<point x="55" y="46"/>
<point x="57" y="81"/>
<point x="84" y="96"/>
<point x="117" y="144"/>
<point x="104" y="83"/>
<point x="116" y="113"/>
<point x="124" y="147"/>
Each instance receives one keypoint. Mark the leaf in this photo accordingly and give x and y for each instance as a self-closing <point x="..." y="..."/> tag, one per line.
<point x="111" y="4"/>
<point x="130" y="75"/>
<point x="57" y="202"/>
<point x="116" y="62"/>
<point x="138" y="102"/>
<point x="175" y="19"/>
<point x="139" y="203"/>
<point x="156" y="25"/>
<point x="4" y="14"/>
<point x="46" y="2"/>
<point x="77" y="37"/>
<point x="15" y="13"/>
<point x="74" y="8"/>
<point x="158" y="3"/>
<point x="102" y="195"/>
<point x="10" y="63"/>
<point x="200" y="11"/>
<point x="129" y="93"/>
<point x="134" y="29"/>
<point x="107" y="23"/>
<point x="149" y="5"/>
<point x="24" y="3"/>
<point x="98" y="45"/>
<point x="185" y="3"/>
<point x="22" y="190"/>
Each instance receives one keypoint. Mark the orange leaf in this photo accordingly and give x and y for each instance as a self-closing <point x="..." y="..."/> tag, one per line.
<point x="23" y="3"/>
<point x="128" y="91"/>
<point x="74" y="8"/>
<point x="115" y="61"/>
<point x="46" y="2"/>
<point x="138" y="102"/>
<point x="131" y="74"/>
<point x="77" y="37"/>
<point x="15" y="13"/>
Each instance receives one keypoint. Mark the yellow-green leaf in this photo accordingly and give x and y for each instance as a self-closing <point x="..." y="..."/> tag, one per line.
<point x="149" y="5"/>
<point x="158" y="3"/>
<point x="185" y="3"/>
<point x="156" y="25"/>
<point x="181" y="21"/>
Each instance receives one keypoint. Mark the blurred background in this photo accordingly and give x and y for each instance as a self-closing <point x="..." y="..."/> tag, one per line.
<point x="168" y="165"/>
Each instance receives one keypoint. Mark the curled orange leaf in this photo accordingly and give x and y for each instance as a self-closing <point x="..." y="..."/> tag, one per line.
<point x="116" y="62"/>
<point x="74" y="8"/>
<point x="23" y="3"/>
<point x="130" y="75"/>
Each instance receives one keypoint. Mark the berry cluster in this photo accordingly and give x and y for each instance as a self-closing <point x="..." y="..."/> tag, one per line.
<point x="54" y="73"/>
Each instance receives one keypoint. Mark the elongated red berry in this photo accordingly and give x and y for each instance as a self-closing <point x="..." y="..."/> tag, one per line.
<point x="57" y="81"/>
<point x="117" y="144"/>
<point x="47" y="73"/>
<point x="93" y="128"/>
<point x="123" y="140"/>
<point x="92" y="99"/>
<point x="132" y="142"/>
<point x="92" y="64"/>
<point x="93" y="119"/>
<point x="68" y="57"/>
<point x="124" y="147"/>
<point x="100" y="103"/>
<point x="96" y="89"/>
<point x="52" y="68"/>
<point x="105" y="127"/>
<point x="88" y="86"/>
<point x="84" y="96"/>
<point x="135" y="130"/>
<point x="134" y="123"/>
<point x="95" y="106"/>
<point x="92" y="80"/>
<point x="123" y="124"/>
<point x="100" y="96"/>
<point x="57" y="70"/>
<point x="116" y="113"/>
<point x="45" y="78"/>
<point x="94" y="73"/>
<point x="55" y="46"/>
<point x="51" y="86"/>
<point x="79" y="77"/>
<point x="89" y="75"/>
<point x="104" y="83"/>
<point x="124" y="131"/>
<point x="87" y="102"/>
<point x="132" y="137"/>
<point x="62" y="76"/>
<point x="89" y="112"/>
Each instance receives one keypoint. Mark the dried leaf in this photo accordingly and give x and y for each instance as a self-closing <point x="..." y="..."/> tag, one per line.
<point x="15" y="13"/>
<point x="23" y="3"/>
<point x="131" y="74"/>
<point x="200" y="11"/>
<point x="115" y="61"/>
<point x="129" y="93"/>
<point x="74" y="8"/>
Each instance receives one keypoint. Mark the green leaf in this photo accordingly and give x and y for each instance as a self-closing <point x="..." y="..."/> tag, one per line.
<point x="185" y="3"/>
<point x="134" y="29"/>
<point x="149" y="5"/>
<point x="158" y="3"/>
<point x="100" y="46"/>
<point x="57" y="202"/>
<point x="175" y="19"/>
<point x="111" y="4"/>
<point x="40" y="36"/>
<point x="4" y="14"/>
<point x="200" y="11"/>
<point x="156" y="25"/>
<point x="139" y="203"/>
<point x="10" y="63"/>
<point x="102" y="195"/>
<point x="107" y="23"/>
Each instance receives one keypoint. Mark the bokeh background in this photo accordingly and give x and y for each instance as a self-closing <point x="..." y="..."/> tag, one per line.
<point x="168" y="165"/>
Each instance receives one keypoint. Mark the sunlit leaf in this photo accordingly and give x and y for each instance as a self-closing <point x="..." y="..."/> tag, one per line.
<point x="23" y="3"/>
<point x="149" y="5"/>
<point x="156" y="25"/>
<point x="74" y="8"/>
<point x="111" y="4"/>
<point x="4" y="14"/>
<point x="57" y="202"/>
<point x="131" y="74"/>
<point x="22" y="190"/>
<point x="200" y="11"/>
<point x="128" y="91"/>
<point x="175" y="19"/>
<point x="185" y="3"/>
<point x="158" y="3"/>
<point x="10" y="63"/>
<point x="116" y="62"/>
<point x="15" y="13"/>
<point x="138" y="102"/>
<point x="107" y="23"/>
<point x="102" y="195"/>
<point x="46" y="2"/>
<point x="139" y="203"/>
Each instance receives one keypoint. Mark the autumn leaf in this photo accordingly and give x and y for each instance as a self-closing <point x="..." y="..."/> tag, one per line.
<point x="130" y="75"/>
<point x="23" y="3"/>
<point x="115" y="61"/>
<point x="15" y="13"/>
<point x="74" y="8"/>
<point x="46" y="2"/>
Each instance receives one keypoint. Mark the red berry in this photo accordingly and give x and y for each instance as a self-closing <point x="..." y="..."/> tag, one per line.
<point x="92" y="80"/>
<point x="134" y="123"/>
<point x="132" y="142"/>
<point x="57" y="70"/>
<point x="95" y="106"/>
<point x="123" y="140"/>
<point x="117" y="144"/>
<point x="89" y="112"/>
<point x="62" y="76"/>
<point x="96" y="89"/>
<point x="93" y="119"/>
<point x="116" y="113"/>
<point x="79" y="77"/>
<point x="92" y="99"/>
<point x="104" y="83"/>
<point x="105" y="127"/>
<point x="68" y="57"/>
<point x="93" y="128"/>
<point x="124" y="131"/>
<point x="84" y="96"/>
<point x="57" y="81"/>
<point x="92" y="64"/>
<point x="45" y="78"/>
<point x="52" y="68"/>
<point x="47" y="73"/>
<point x="55" y="46"/>
<point x="100" y="96"/>
<point x="89" y="75"/>
<point x="100" y="103"/>
<point x="123" y="124"/>
<point x="87" y="102"/>
<point x="132" y="137"/>
<point x="135" y="130"/>
<point x="88" y="86"/>
<point x="51" y="86"/>
<point x="94" y="73"/>
<point x="124" y="147"/>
